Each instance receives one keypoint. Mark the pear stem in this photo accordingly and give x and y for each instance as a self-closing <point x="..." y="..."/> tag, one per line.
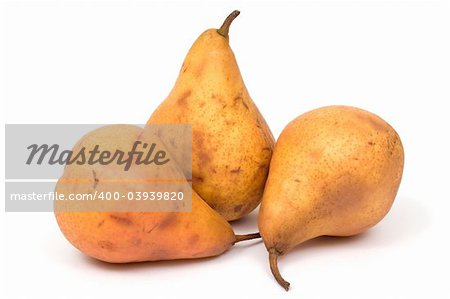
<point x="240" y="238"/>
<point x="273" y="261"/>
<point x="223" y="30"/>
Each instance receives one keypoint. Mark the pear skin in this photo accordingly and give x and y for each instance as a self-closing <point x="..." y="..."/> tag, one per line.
<point x="232" y="144"/>
<point x="151" y="236"/>
<point x="123" y="237"/>
<point x="335" y="171"/>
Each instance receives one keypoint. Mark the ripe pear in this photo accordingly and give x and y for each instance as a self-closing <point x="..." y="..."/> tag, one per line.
<point x="335" y="171"/>
<point x="231" y="143"/>
<point x="122" y="237"/>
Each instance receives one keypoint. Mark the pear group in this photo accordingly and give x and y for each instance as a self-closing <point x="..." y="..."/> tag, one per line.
<point x="334" y="171"/>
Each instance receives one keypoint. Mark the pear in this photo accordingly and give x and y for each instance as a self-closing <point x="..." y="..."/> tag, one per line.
<point x="335" y="171"/>
<point x="132" y="236"/>
<point x="231" y="143"/>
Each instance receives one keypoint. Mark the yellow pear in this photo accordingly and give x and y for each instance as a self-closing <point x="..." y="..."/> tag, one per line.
<point x="232" y="144"/>
<point x="335" y="171"/>
<point x="133" y="236"/>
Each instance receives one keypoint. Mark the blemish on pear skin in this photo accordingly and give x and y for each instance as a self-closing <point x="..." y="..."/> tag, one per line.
<point x="121" y="220"/>
<point x="204" y="158"/>
<point x="96" y="180"/>
<point x="106" y="245"/>
<point x="100" y="223"/>
<point x="239" y="98"/>
<point x="150" y="230"/>
<point x="199" y="71"/>
<point x="371" y="143"/>
<point x="258" y="123"/>
<point x="229" y="123"/>
<point x="237" y="208"/>
<point x="197" y="138"/>
<point x="218" y="98"/>
<point x="263" y="166"/>
<point x="197" y="179"/>
<point x="182" y="100"/>
<point x="139" y="136"/>
<point x="194" y="239"/>
<point x="316" y="155"/>
<point x="168" y="221"/>
<point x="236" y="170"/>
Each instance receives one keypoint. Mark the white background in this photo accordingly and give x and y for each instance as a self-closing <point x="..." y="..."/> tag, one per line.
<point x="114" y="62"/>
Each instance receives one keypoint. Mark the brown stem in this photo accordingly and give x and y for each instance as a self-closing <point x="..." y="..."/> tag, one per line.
<point x="223" y="30"/>
<point x="240" y="238"/>
<point x="273" y="261"/>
